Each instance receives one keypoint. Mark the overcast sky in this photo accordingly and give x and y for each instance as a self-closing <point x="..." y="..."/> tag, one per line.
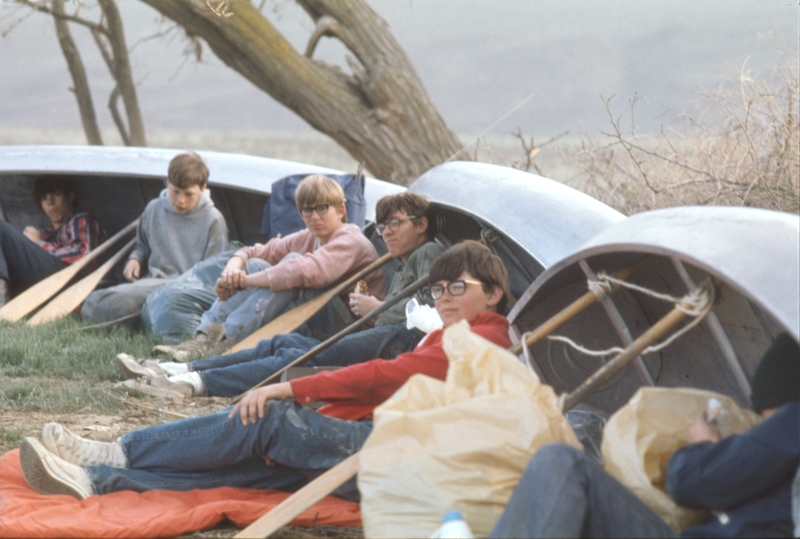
<point x="477" y="58"/>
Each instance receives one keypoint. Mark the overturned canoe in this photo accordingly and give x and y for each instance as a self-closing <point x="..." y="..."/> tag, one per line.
<point x="751" y="258"/>
<point x="117" y="182"/>
<point x="531" y="222"/>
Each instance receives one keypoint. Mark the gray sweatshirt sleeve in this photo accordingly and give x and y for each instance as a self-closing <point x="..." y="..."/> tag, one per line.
<point x="217" y="237"/>
<point x="141" y="251"/>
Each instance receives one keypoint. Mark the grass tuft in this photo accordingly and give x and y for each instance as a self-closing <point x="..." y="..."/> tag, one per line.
<point x="57" y="367"/>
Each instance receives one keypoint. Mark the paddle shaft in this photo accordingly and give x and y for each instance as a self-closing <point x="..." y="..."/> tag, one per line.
<point x="288" y="509"/>
<point x="69" y="299"/>
<point x="289" y="321"/>
<point x="358" y="324"/>
<point x="604" y="373"/>
<point x="566" y="314"/>
<point x="36" y="295"/>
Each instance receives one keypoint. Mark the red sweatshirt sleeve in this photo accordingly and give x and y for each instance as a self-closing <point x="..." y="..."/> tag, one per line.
<point x="371" y="383"/>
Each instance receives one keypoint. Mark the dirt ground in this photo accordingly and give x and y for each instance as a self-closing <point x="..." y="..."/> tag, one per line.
<point x="108" y="427"/>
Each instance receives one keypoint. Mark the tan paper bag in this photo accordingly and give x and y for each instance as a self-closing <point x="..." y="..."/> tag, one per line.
<point x="640" y="438"/>
<point x="460" y="444"/>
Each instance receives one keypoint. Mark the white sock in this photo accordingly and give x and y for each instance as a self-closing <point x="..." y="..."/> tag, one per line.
<point x="191" y="378"/>
<point x="174" y="368"/>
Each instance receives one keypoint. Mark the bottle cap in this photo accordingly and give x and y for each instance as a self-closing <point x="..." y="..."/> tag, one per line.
<point x="450" y="516"/>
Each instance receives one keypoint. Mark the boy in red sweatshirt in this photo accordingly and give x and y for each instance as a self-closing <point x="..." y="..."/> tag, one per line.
<point x="269" y="440"/>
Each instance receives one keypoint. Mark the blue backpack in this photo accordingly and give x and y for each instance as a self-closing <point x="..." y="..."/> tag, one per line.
<point x="280" y="212"/>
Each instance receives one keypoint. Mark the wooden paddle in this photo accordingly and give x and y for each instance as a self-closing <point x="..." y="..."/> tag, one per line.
<point x="604" y="373"/>
<point x="25" y="303"/>
<point x="68" y="300"/>
<point x="568" y="312"/>
<point x="289" y="321"/>
<point x="389" y="303"/>
<point x="288" y="509"/>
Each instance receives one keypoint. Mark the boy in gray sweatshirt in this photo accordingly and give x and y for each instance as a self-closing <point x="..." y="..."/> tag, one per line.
<point x="177" y="230"/>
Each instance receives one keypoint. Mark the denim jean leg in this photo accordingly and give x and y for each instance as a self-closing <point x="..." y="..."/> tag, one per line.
<point x="233" y="378"/>
<point x="380" y="342"/>
<point x="252" y="473"/>
<point x="564" y="493"/>
<point x="260" y="307"/>
<point x="264" y="348"/>
<point x="22" y="262"/>
<point x="236" y="379"/>
<point x="221" y="310"/>
<point x="291" y="435"/>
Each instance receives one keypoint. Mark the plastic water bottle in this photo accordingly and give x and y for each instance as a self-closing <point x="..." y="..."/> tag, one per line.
<point x="453" y="527"/>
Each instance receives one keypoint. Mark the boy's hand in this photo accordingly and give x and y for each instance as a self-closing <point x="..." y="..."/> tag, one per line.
<point x="233" y="274"/>
<point x="251" y="407"/>
<point x="132" y="270"/>
<point x="224" y="292"/>
<point x="703" y="431"/>
<point x="361" y="304"/>
<point x="32" y="233"/>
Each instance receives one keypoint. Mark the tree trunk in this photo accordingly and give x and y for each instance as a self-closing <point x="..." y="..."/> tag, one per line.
<point x="380" y="114"/>
<point x="78" y="73"/>
<point x="121" y="71"/>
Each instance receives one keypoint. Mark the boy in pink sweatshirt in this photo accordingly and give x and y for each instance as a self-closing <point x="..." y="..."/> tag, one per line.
<point x="262" y="281"/>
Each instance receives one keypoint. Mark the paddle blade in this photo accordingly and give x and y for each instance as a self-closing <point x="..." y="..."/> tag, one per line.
<point x="285" y="323"/>
<point x="69" y="299"/>
<point x="33" y="297"/>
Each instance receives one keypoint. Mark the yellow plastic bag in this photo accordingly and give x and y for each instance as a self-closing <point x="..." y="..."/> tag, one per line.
<point x="460" y="444"/>
<point x="640" y="438"/>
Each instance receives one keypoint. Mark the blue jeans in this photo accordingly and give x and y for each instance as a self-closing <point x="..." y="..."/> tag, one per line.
<point x="22" y="262"/>
<point x="233" y="374"/>
<point x="247" y="310"/>
<point x="213" y="451"/>
<point x="564" y="493"/>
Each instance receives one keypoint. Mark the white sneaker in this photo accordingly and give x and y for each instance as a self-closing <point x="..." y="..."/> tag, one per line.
<point x="48" y="474"/>
<point x="76" y="450"/>
<point x="130" y="367"/>
<point x="163" y="382"/>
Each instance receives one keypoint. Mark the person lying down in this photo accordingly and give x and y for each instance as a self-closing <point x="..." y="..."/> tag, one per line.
<point x="269" y="440"/>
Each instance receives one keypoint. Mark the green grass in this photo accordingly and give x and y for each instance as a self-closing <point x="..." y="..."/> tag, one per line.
<point x="59" y="368"/>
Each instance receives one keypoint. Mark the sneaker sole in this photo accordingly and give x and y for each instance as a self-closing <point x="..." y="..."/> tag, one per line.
<point x="130" y="371"/>
<point x="41" y="475"/>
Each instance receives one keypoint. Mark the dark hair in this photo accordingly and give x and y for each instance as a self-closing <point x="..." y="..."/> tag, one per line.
<point x="44" y="185"/>
<point x="186" y="170"/>
<point x="775" y="380"/>
<point x="476" y="259"/>
<point x="412" y="204"/>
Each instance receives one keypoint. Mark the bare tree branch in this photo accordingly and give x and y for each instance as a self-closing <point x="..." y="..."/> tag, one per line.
<point x="78" y="74"/>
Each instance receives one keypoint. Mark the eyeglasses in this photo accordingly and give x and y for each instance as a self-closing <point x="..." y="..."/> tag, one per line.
<point x="393" y="224"/>
<point x="321" y="210"/>
<point x="454" y="288"/>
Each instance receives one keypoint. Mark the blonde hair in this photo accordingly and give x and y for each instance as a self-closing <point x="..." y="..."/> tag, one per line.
<point x="319" y="189"/>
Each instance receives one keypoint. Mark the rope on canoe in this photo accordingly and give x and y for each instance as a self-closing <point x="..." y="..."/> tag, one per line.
<point x="697" y="304"/>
